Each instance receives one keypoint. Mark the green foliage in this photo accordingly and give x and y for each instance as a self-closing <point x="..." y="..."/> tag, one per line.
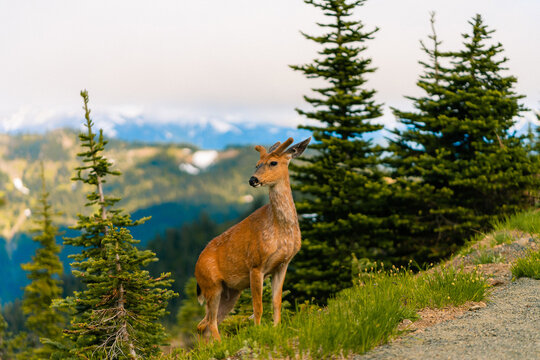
<point x="43" y="271"/>
<point x="116" y="315"/>
<point x="3" y="340"/>
<point x="528" y="266"/>
<point x="190" y="313"/>
<point x="14" y="342"/>
<point x="14" y="316"/>
<point x="341" y="185"/>
<point x="356" y="320"/>
<point x="457" y="164"/>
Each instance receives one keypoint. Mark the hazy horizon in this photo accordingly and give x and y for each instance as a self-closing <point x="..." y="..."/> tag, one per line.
<point x="177" y="61"/>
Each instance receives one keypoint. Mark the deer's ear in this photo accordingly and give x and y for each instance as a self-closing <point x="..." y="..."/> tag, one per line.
<point x="274" y="147"/>
<point x="297" y="149"/>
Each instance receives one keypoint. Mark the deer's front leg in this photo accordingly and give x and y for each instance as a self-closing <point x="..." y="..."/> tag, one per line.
<point x="256" y="283"/>
<point x="277" y="290"/>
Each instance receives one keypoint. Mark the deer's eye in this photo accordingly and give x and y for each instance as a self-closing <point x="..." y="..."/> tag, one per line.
<point x="273" y="163"/>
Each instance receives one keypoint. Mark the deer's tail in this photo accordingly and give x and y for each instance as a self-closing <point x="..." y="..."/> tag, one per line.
<point x="200" y="297"/>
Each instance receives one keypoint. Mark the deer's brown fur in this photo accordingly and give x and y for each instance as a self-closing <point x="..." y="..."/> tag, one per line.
<point x="263" y="244"/>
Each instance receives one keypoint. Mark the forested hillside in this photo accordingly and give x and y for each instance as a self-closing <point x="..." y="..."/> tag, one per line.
<point x="173" y="183"/>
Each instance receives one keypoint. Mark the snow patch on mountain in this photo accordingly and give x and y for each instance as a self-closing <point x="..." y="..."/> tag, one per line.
<point x="189" y="168"/>
<point x="224" y="127"/>
<point x="17" y="182"/>
<point x="204" y="158"/>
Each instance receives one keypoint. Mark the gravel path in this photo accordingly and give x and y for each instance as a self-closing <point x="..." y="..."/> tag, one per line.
<point x="508" y="328"/>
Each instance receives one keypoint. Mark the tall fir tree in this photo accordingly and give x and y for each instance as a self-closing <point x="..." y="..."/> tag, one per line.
<point x="116" y="316"/>
<point x="342" y="185"/>
<point x="457" y="163"/>
<point x="43" y="272"/>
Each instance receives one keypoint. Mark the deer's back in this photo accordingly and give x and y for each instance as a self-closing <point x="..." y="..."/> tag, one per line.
<point x="252" y="243"/>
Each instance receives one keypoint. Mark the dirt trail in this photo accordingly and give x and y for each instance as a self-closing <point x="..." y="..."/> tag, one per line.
<point x="507" y="328"/>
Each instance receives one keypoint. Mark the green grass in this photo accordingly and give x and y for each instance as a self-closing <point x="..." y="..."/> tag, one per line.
<point x="501" y="237"/>
<point x="356" y="320"/>
<point x="468" y="248"/>
<point x="528" y="222"/>
<point x="528" y="266"/>
<point x="488" y="257"/>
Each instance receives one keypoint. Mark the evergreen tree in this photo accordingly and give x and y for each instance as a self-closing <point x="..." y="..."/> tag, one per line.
<point x="457" y="164"/>
<point x="342" y="185"/>
<point x="190" y="312"/>
<point x="116" y="315"/>
<point x="3" y="338"/>
<point x="43" y="272"/>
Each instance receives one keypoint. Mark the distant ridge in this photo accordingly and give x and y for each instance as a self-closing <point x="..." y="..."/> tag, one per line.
<point x="216" y="134"/>
<point x="207" y="135"/>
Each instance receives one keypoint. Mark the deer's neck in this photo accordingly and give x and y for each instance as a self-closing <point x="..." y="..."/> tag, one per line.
<point x="282" y="204"/>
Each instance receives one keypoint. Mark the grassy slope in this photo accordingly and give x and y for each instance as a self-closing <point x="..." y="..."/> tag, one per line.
<point x="355" y="321"/>
<point x="368" y="314"/>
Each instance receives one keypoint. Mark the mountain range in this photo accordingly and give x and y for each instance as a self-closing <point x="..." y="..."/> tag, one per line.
<point x="171" y="182"/>
<point x="214" y="134"/>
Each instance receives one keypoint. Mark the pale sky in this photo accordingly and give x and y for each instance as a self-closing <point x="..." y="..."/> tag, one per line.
<point x="176" y="59"/>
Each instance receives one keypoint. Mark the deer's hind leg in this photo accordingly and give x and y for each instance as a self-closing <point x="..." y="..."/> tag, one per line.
<point x="209" y="325"/>
<point x="229" y="297"/>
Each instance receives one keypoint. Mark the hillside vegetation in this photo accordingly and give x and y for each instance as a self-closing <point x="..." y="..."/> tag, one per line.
<point x="382" y="303"/>
<point x="172" y="183"/>
<point x="153" y="175"/>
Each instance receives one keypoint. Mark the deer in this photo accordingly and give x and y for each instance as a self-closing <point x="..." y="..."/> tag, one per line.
<point x="261" y="245"/>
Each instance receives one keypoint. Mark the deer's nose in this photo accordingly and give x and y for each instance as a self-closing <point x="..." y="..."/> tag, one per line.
<point x="253" y="181"/>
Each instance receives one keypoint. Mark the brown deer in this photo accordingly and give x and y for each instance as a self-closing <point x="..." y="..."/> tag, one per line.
<point x="262" y="244"/>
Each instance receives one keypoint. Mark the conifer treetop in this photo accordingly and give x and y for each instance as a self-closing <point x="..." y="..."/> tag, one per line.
<point x="94" y="171"/>
<point x="344" y="105"/>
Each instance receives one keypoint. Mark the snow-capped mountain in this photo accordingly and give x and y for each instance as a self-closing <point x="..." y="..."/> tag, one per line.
<point x="206" y="134"/>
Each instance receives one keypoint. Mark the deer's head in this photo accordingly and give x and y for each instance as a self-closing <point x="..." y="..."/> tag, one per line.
<point x="273" y="166"/>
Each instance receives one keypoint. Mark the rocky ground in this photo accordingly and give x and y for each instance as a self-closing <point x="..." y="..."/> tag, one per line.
<point x="507" y="326"/>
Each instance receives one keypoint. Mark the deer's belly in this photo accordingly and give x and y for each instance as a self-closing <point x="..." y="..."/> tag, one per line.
<point x="235" y="273"/>
<point x="237" y="282"/>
